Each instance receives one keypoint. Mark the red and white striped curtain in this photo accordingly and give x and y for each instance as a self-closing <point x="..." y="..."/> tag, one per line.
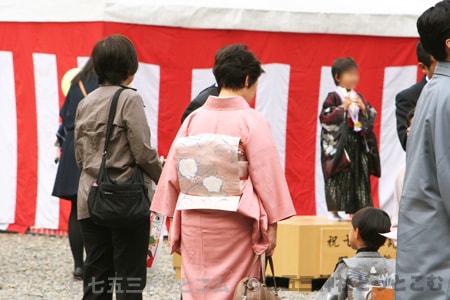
<point x="175" y="64"/>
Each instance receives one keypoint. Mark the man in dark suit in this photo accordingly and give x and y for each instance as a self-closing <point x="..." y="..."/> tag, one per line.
<point x="200" y="99"/>
<point x="406" y="100"/>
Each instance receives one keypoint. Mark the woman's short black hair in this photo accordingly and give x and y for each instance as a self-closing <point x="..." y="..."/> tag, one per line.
<point x="115" y="59"/>
<point x="232" y="66"/>
<point x="434" y="29"/>
<point x="342" y="65"/>
<point x="370" y="222"/>
<point x="422" y="55"/>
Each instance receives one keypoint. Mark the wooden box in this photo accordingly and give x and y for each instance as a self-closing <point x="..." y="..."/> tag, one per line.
<point x="309" y="247"/>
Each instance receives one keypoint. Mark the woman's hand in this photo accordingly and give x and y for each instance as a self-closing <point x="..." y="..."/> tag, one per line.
<point x="272" y="235"/>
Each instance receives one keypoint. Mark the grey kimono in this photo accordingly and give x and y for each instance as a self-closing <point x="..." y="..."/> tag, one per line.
<point x="423" y="246"/>
<point x="354" y="277"/>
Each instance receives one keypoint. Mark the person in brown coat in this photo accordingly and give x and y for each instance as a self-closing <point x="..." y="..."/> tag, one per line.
<point x="115" y="257"/>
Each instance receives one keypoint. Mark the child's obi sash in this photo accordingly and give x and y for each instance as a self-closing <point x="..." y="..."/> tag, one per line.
<point x="212" y="172"/>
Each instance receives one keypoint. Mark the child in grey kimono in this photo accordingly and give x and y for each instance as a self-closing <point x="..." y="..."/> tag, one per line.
<point x="354" y="277"/>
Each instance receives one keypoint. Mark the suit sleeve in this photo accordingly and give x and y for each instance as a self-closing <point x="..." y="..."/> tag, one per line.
<point x="403" y="107"/>
<point x="194" y="105"/>
<point x="138" y="134"/>
<point x="442" y="152"/>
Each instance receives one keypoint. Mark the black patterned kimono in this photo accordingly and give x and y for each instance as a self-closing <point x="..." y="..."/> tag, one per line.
<point x="348" y="157"/>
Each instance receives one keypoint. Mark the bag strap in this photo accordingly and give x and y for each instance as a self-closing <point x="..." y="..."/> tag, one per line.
<point x="83" y="90"/>
<point x="264" y="259"/>
<point x="255" y="260"/>
<point x="272" y="269"/>
<point x="112" y="114"/>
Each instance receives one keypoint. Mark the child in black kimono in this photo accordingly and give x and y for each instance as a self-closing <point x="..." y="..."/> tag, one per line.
<point x="349" y="150"/>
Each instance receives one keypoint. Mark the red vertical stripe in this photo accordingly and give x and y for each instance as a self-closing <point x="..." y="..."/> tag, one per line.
<point x="26" y="138"/>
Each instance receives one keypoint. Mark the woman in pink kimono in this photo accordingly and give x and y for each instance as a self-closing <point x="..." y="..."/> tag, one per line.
<point x="223" y="184"/>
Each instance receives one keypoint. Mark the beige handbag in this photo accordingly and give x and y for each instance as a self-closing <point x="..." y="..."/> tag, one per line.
<point x="251" y="288"/>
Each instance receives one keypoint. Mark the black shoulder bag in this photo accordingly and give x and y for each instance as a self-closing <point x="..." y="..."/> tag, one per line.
<point x="113" y="204"/>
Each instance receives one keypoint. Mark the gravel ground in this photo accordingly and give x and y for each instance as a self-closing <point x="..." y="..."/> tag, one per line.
<point x="34" y="267"/>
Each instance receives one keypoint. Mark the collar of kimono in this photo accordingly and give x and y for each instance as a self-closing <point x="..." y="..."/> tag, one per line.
<point x="226" y="103"/>
<point x="366" y="249"/>
<point x="343" y="92"/>
<point x="368" y="254"/>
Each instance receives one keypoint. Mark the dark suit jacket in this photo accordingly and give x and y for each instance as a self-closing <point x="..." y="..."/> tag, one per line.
<point x="405" y="101"/>
<point x="201" y="98"/>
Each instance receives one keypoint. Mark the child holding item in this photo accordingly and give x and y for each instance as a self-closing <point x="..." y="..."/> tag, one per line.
<point x="349" y="150"/>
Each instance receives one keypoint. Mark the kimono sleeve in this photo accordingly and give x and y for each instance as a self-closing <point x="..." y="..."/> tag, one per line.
<point x="367" y="118"/>
<point x="167" y="192"/>
<point x="332" y="111"/>
<point x="336" y="286"/>
<point x="266" y="172"/>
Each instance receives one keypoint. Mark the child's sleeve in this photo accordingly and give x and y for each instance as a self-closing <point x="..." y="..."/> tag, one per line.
<point x="367" y="118"/>
<point x="336" y="286"/>
<point x="332" y="110"/>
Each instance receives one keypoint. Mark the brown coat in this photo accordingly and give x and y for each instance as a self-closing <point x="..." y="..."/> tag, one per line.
<point x="129" y="145"/>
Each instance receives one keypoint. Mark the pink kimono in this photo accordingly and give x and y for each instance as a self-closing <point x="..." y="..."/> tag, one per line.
<point x="218" y="246"/>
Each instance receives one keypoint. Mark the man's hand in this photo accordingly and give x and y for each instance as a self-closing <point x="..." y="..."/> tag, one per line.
<point x="272" y="234"/>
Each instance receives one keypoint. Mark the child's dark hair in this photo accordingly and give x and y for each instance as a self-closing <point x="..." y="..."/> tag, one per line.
<point x="434" y="29"/>
<point x="342" y="65"/>
<point x="370" y="222"/>
<point x="422" y="55"/>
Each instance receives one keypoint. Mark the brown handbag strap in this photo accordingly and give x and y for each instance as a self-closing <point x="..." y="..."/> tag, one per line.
<point x="263" y="258"/>
<point x="255" y="260"/>
<point x="83" y="90"/>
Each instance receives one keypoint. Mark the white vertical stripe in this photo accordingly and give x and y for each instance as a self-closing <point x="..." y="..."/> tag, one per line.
<point x="201" y="79"/>
<point x="146" y="82"/>
<point x="47" y="110"/>
<point x="82" y="60"/>
<point x="392" y="155"/>
<point x="8" y="137"/>
<point x="326" y="85"/>
<point x="272" y="101"/>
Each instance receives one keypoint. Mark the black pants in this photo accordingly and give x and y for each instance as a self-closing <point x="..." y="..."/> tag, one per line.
<point x="115" y="260"/>
<point x="75" y="238"/>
